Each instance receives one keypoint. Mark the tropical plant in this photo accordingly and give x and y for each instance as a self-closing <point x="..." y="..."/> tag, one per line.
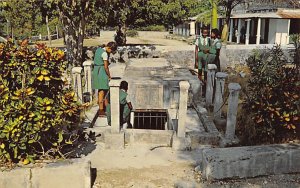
<point x="37" y="114"/>
<point x="273" y="100"/>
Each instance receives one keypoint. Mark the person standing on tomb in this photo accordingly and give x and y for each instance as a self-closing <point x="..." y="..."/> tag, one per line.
<point x="215" y="36"/>
<point x="205" y="54"/>
<point x="101" y="74"/>
<point x="125" y="105"/>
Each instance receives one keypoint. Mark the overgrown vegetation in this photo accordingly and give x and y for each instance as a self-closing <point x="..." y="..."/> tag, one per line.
<point x="132" y="33"/>
<point x="152" y="28"/>
<point x="271" y="111"/>
<point x="38" y="115"/>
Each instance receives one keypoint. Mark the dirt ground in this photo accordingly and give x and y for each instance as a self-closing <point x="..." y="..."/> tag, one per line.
<point x="141" y="167"/>
<point x="145" y="37"/>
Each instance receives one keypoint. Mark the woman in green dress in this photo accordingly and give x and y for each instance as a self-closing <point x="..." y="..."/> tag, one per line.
<point x="101" y="74"/>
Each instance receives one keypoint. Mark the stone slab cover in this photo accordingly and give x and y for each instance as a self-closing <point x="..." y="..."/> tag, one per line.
<point x="149" y="97"/>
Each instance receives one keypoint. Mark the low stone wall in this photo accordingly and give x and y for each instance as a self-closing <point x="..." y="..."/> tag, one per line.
<point x="148" y="137"/>
<point x="73" y="173"/>
<point x="252" y="161"/>
<point x="238" y="54"/>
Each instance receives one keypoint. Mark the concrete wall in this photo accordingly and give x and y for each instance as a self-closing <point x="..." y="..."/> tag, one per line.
<point x="280" y="26"/>
<point x="252" y="161"/>
<point x="74" y="173"/>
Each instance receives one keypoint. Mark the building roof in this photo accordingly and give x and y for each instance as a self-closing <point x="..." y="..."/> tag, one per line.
<point x="289" y="13"/>
<point x="280" y="13"/>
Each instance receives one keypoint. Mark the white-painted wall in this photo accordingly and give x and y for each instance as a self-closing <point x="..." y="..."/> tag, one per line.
<point x="278" y="31"/>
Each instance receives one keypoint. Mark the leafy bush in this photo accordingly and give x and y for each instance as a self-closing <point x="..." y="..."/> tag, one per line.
<point x="37" y="113"/>
<point x="273" y="96"/>
<point x="153" y="28"/>
<point x="132" y="33"/>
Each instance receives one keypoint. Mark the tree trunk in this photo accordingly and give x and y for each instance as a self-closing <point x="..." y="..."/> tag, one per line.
<point x="214" y="13"/>
<point x="48" y="30"/>
<point x="74" y="35"/>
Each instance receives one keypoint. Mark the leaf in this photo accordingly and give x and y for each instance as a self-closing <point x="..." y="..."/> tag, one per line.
<point x="2" y="146"/>
<point x="47" y="78"/>
<point x="48" y="108"/>
<point x="40" y="78"/>
<point x="60" y="137"/>
<point x="44" y="72"/>
<point x="26" y="162"/>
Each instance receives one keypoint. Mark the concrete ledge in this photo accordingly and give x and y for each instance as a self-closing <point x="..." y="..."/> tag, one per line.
<point x="252" y="161"/>
<point x="16" y="178"/>
<point x="114" y="141"/>
<point x="148" y="137"/>
<point x="71" y="173"/>
<point x="203" y="138"/>
<point x="181" y="144"/>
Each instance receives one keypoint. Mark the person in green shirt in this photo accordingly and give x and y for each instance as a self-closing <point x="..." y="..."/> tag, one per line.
<point x="125" y="105"/>
<point x="101" y="74"/>
<point x="205" y="54"/>
<point x="215" y="36"/>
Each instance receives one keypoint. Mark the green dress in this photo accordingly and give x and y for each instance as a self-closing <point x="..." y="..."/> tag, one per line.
<point x="99" y="76"/>
<point x="203" y="58"/>
<point x="124" y="109"/>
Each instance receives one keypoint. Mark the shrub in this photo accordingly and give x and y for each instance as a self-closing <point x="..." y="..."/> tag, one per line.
<point x="272" y="99"/>
<point x="132" y="33"/>
<point x="37" y="114"/>
<point x="153" y="28"/>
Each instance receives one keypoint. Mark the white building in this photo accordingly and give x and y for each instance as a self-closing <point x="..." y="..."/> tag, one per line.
<point x="263" y="26"/>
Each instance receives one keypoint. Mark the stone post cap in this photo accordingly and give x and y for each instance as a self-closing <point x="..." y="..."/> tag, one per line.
<point x="76" y="70"/>
<point x="114" y="83"/>
<point x="88" y="63"/>
<point x="211" y="66"/>
<point x="234" y="86"/>
<point x="184" y="85"/>
<point x="221" y="75"/>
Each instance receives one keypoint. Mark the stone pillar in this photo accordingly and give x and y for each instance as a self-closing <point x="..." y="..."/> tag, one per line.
<point x="183" y="99"/>
<point x="87" y="68"/>
<point x="115" y="105"/>
<point x="132" y="119"/>
<point x="234" y="89"/>
<point x="192" y="28"/>
<point x="258" y="31"/>
<point x="238" y="39"/>
<point x="77" y="86"/>
<point x="210" y="83"/>
<point x="219" y="94"/>
<point x="231" y="30"/>
<point x="248" y="22"/>
<point x="288" y="34"/>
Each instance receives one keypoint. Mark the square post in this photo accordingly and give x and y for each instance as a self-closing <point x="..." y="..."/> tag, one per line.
<point x="77" y="85"/>
<point x="183" y="99"/>
<point x="114" y="89"/>
<point x="234" y="89"/>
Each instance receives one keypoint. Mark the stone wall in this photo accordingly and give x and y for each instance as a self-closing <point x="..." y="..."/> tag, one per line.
<point x="237" y="54"/>
<point x="252" y="161"/>
<point x="74" y="173"/>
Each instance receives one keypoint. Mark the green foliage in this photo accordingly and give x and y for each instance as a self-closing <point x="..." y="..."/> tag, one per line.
<point x="37" y="114"/>
<point x="152" y="28"/>
<point x="273" y="100"/>
<point x="132" y="33"/>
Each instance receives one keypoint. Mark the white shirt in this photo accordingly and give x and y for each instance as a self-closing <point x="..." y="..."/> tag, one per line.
<point x="104" y="55"/>
<point x="201" y="40"/>
<point x="217" y="43"/>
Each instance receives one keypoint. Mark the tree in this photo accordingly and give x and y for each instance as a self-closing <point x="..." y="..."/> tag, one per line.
<point x="73" y="15"/>
<point x="19" y="14"/>
<point x="135" y="13"/>
<point x="214" y="13"/>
